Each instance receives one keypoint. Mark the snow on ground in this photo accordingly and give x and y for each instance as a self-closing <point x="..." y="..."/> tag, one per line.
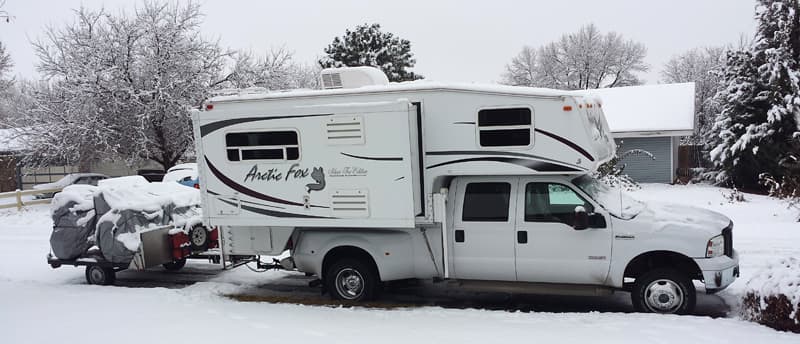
<point x="43" y="305"/>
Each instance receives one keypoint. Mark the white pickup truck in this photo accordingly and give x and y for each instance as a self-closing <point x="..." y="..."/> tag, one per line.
<point x="481" y="186"/>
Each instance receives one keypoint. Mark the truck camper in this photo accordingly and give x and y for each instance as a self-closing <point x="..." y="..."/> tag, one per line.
<point x="479" y="186"/>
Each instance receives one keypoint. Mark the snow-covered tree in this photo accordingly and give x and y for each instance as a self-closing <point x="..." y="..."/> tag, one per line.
<point x="367" y="45"/>
<point x="120" y="86"/>
<point x="760" y="102"/>
<point x="703" y="66"/>
<point x="581" y="60"/>
<point x="523" y="69"/>
<point x="5" y="68"/>
<point x="276" y="70"/>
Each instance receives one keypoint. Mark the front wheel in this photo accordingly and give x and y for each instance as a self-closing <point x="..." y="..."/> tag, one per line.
<point x="663" y="291"/>
<point x="351" y="280"/>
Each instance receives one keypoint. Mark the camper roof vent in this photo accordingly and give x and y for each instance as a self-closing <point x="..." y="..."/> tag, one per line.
<point x="352" y="77"/>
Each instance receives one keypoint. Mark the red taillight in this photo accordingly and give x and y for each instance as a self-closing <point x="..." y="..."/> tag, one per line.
<point x="196" y="186"/>
<point x="209" y="107"/>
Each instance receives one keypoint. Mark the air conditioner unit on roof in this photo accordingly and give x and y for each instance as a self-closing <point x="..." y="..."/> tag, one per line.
<point x="352" y="77"/>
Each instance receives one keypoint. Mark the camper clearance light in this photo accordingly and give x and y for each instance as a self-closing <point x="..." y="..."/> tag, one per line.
<point x="209" y="107"/>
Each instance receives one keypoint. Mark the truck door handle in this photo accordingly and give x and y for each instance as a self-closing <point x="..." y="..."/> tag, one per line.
<point x="459" y="235"/>
<point x="522" y="237"/>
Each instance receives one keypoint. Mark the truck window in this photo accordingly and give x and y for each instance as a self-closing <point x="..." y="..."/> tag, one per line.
<point x="552" y="202"/>
<point x="505" y="127"/>
<point x="263" y="145"/>
<point x="486" y="202"/>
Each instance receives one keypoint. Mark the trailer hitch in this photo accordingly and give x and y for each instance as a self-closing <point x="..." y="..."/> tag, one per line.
<point x="274" y="265"/>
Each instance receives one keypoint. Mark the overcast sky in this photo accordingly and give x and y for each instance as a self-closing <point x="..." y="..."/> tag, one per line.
<point x="452" y="40"/>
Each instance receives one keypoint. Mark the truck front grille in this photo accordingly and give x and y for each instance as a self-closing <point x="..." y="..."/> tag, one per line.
<point x="727" y="234"/>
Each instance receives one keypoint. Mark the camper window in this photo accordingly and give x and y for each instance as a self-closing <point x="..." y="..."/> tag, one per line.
<point x="505" y="127"/>
<point x="263" y="145"/>
<point x="486" y="202"/>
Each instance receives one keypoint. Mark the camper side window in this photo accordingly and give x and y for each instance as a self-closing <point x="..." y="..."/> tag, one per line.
<point x="263" y="145"/>
<point x="505" y="127"/>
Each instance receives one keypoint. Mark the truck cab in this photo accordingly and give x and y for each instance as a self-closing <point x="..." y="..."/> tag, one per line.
<point x="568" y="233"/>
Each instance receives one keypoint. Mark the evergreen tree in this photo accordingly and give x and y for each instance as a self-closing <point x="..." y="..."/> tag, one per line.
<point x="367" y="45"/>
<point x="760" y="101"/>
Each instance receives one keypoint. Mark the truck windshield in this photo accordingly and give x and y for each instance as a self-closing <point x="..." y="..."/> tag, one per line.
<point x="613" y="199"/>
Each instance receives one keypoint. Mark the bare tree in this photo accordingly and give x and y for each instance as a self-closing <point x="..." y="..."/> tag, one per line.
<point x="703" y="66"/>
<point x="523" y="69"/>
<point x="120" y="86"/>
<point x="5" y="68"/>
<point x="582" y="60"/>
<point x="276" y="70"/>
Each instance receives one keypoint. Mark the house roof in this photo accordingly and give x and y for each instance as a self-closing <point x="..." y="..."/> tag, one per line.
<point x="649" y="110"/>
<point x="10" y="140"/>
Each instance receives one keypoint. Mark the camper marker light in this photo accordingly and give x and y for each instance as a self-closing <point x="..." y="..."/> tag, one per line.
<point x="209" y="107"/>
<point x="567" y="108"/>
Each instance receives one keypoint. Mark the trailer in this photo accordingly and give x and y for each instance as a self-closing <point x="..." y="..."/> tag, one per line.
<point x="163" y="246"/>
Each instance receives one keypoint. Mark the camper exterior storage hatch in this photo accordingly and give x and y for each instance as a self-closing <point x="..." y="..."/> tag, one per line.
<point x="368" y="181"/>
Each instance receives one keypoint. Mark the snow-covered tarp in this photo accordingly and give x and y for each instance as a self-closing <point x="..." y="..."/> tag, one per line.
<point x="73" y="221"/>
<point x="113" y="215"/>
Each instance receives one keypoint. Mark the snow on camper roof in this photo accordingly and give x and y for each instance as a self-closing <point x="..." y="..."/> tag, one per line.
<point x="418" y="85"/>
<point x="649" y="110"/>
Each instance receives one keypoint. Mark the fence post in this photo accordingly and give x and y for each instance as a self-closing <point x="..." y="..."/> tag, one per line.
<point x="19" y="200"/>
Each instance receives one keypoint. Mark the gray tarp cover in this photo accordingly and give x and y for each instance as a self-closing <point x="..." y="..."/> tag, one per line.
<point x="117" y="215"/>
<point x="71" y="231"/>
<point x="133" y="222"/>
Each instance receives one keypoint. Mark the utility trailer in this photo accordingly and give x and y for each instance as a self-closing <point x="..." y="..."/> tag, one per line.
<point x="480" y="186"/>
<point x="159" y="247"/>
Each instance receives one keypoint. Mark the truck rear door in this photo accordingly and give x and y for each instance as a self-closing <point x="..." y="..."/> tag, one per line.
<point x="483" y="229"/>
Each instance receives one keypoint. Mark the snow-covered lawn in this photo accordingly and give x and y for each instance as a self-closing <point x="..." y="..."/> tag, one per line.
<point x="42" y="305"/>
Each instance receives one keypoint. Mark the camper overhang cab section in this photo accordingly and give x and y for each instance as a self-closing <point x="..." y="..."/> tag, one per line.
<point x="368" y="177"/>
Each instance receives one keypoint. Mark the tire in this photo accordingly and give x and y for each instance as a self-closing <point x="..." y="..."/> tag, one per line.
<point x="665" y="291"/>
<point x="100" y="276"/>
<point x="351" y="280"/>
<point x="198" y="238"/>
<point x="174" y="266"/>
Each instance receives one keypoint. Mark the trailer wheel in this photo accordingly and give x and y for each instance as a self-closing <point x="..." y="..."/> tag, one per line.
<point x="174" y="266"/>
<point x="100" y="275"/>
<point x="351" y="280"/>
<point x="198" y="238"/>
<point x="664" y="291"/>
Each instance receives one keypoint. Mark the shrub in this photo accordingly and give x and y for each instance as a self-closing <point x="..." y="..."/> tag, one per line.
<point x="772" y="296"/>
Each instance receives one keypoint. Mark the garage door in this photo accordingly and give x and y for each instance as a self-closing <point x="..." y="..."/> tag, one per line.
<point x="641" y="167"/>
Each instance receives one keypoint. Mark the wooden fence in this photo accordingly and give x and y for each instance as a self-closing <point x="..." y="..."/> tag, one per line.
<point x="19" y="203"/>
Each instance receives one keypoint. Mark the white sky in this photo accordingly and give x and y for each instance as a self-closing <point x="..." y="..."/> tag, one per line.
<point x="452" y="40"/>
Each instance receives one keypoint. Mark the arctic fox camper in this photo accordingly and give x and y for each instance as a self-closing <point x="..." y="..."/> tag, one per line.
<point x="477" y="186"/>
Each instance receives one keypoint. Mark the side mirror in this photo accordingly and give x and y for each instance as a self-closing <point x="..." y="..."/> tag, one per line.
<point x="581" y="219"/>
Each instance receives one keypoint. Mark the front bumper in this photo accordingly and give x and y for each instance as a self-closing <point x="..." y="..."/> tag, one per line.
<point x="719" y="272"/>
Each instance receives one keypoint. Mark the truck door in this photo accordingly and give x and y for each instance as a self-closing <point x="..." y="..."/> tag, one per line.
<point x="483" y="229"/>
<point x="548" y="249"/>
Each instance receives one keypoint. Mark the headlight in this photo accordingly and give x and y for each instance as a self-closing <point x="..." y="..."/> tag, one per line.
<point x="715" y="247"/>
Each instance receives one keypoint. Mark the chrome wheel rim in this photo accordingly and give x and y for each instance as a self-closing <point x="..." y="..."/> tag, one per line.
<point x="198" y="236"/>
<point x="349" y="283"/>
<point x="97" y="275"/>
<point x="663" y="296"/>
